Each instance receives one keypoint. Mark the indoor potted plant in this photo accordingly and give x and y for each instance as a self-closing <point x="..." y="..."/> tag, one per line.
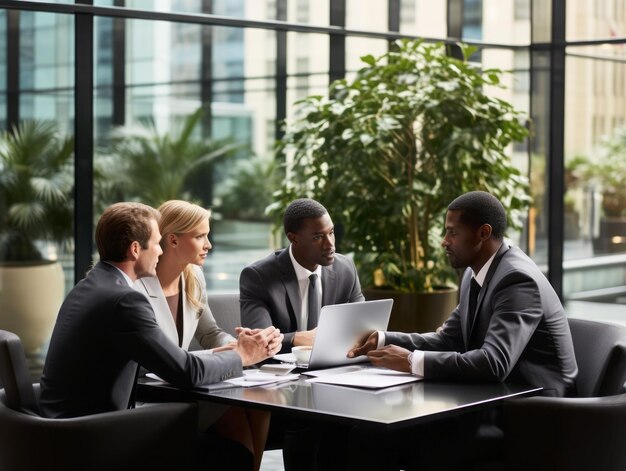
<point x="604" y="175"/>
<point x="36" y="208"/>
<point x="388" y="151"/>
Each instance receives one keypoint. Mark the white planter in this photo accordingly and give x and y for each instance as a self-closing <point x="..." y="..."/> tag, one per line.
<point x="30" y="298"/>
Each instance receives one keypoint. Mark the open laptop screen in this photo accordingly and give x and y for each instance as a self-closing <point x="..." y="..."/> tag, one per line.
<point x="340" y="326"/>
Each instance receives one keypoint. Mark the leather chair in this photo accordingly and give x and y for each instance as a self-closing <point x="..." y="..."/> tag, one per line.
<point x="583" y="433"/>
<point x="226" y="310"/>
<point x="155" y="437"/>
<point x="227" y="313"/>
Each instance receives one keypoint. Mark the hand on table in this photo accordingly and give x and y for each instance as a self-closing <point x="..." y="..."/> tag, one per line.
<point x="304" y="338"/>
<point x="392" y="357"/>
<point x="257" y="345"/>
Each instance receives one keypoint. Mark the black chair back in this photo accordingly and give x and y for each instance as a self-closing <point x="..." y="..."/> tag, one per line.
<point x="600" y="350"/>
<point x="226" y="310"/>
<point x="18" y="388"/>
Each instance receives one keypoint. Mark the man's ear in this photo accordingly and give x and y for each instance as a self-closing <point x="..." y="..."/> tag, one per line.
<point x="292" y="237"/>
<point x="133" y="250"/>
<point x="485" y="231"/>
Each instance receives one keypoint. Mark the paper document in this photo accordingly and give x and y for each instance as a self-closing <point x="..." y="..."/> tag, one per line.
<point x="258" y="378"/>
<point x="204" y="387"/>
<point x="285" y="357"/>
<point x="366" y="377"/>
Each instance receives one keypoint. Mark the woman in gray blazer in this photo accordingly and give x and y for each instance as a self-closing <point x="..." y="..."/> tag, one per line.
<point x="178" y="296"/>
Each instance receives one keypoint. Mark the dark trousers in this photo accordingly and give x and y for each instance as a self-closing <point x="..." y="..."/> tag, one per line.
<point x="465" y="442"/>
<point x="214" y="452"/>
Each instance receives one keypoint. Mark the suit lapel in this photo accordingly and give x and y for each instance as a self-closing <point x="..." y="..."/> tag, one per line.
<point x="465" y="293"/>
<point x="152" y="289"/>
<point x="189" y="316"/>
<point x="329" y="287"/>
<point x="483" y="290"/>
<point x="290" y="281"/>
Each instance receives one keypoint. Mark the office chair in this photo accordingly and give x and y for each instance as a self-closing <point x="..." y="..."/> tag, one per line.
<point x="583" y="433"/>
<point x="226" y="310"/>
<point x="155" y="437"/>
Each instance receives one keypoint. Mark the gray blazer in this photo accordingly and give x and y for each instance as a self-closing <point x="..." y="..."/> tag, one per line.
<point x="520" y="333"/>
<point x="200" y="324"/>
<point x="269" y="292"/>
<point x="104" y="329"/>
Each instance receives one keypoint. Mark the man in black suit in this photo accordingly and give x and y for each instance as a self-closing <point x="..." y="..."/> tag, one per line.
<point x="105" y="328"/>
<point x="509" y="326"/>
<point x="278" y="291"/>
<point x="275" y="290"/>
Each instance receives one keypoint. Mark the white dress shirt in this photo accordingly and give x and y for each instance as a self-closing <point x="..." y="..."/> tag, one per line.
<point x="302" y="274"/>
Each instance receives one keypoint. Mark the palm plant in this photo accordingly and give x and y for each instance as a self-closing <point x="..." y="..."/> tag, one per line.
<point x="36" y="181"/>
<point x="250" y="189"/>
<point x="146" y="165"/>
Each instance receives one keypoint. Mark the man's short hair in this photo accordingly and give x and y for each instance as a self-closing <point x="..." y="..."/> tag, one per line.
<point x="299" y="210"/>
<point x="478" y="208"/>
<point x="120" y="225"/>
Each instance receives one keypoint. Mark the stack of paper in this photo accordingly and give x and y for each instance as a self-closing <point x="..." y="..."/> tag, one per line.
<point x="361" y="376"/>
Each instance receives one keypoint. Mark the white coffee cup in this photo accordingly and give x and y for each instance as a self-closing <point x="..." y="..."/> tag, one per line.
<point x="302" y="353"/>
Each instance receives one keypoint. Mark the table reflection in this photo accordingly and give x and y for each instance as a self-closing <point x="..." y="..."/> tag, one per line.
<point x="407" y="402"/>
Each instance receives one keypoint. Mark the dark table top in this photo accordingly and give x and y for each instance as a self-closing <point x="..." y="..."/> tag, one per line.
<point x="390" y="408"/>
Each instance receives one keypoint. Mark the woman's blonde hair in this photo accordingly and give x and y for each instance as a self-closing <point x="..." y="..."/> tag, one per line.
<point x="180" y="217"/>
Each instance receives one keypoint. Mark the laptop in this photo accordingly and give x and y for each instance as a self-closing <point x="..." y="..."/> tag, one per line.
<point x="339" y="328"/>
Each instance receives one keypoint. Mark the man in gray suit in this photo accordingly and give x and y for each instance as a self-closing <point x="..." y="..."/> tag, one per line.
<point x="515" y="329"/>
<point x="105" y="328"/>
<point x="509" y="326"/>
<point x="278" y="291"/>
<point x="275" y="290"/>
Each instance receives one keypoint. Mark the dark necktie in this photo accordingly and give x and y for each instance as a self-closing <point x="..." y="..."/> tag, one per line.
<point x="473" y="299"/>
<point x="314" y="307"/>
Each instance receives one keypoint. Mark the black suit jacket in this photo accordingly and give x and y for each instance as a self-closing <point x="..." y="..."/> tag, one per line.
<point x="520" y="333"/>
<point x="103" y="331"/>
<point x="269" y="292"/>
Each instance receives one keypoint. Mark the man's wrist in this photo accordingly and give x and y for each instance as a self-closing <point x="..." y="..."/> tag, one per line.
<point x="410" y="360"/>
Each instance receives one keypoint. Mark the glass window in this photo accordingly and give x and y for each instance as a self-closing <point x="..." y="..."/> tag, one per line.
<point x="314" y="12"/>
<point x="595" y="172"/>
<point x="501" y="21"/>
<point x="36" y="248"/>
<point x="425" y="18"/>
<point x="307" y="66"/>
<point x="599" y="19"/>
<point x="371" y="15"/>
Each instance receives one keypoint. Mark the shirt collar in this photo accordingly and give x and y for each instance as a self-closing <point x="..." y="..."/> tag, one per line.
<point x="301" y="272"/>
<point x="482" y="274"/>
<point x="126" y="277"/>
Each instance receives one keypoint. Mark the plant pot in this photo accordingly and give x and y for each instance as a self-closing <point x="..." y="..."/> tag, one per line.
<point x="612" y="237"/>
<point x="30" y="297"/>
<point x="417" y="312"/>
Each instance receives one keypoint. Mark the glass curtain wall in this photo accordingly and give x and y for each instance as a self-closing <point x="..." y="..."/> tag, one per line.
<point x="231" y="84"/>
<point x="595" y="157"/>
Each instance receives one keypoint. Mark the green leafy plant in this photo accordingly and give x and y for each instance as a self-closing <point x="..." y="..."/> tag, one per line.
<point x="147" y="165"/>
<point x="250" y="189"/>
<point x="36" y="182"/>
<point x="389" y="150"/>
<point x="607" y="170"/>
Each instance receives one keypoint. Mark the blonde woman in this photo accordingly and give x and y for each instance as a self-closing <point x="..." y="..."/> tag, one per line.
<point x="178" y="296"/>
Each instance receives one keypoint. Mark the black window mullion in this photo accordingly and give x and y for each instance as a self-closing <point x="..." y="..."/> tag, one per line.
<point x="83" y="143"/>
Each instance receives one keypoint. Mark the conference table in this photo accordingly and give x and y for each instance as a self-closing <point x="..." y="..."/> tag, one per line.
<point x="388" y="409"/>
